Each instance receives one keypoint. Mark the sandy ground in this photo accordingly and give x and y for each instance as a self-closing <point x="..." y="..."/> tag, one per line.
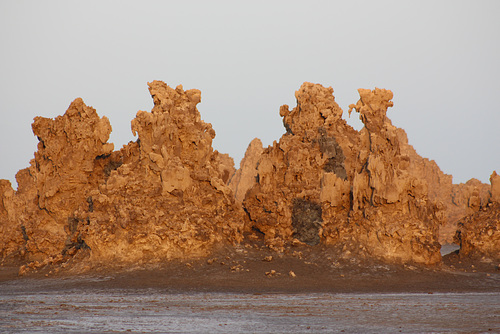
<point x="253" y="268"/>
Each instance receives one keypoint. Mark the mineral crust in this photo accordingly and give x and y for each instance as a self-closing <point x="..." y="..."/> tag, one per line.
<point x="161" y="197"/>
<point x="478" y="234"/>
<point x="169" y="195"/>
<point x="168" y="198"/>
<point x="325" y="182"/>
<point x="65" y="169"/>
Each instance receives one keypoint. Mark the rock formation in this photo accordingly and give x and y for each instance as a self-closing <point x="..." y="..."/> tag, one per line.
<point x="391" y="201"/>
<point x="495" y="187"/>
<point x="244" y="178"/>
<point x="478" y="234"/>
<point x="169" y="195"/>
<point x="57" y="183"/>
<point x="163" y="196"/>
<point x="326" y="182"/>
<point x="459" y="199"/>
<point x="464" y="199"/>
<point x="12" y="236"/>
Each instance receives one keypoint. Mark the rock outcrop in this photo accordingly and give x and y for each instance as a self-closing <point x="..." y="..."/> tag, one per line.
<point x="244" y="178"/>
<point x="169" y="195"/>
<point x="478" y="234"/>
<point x="12" y="235"/>
<point x="459" y="200"/>
<point x="161" y="197"/>
<point x="392" y="202"/>
<point x="326" y="182"/>
<point x="65" y="169"/>
<point x="495" y="187"/>
<point x="464" y="199"/>
<point x="168" y="198"/>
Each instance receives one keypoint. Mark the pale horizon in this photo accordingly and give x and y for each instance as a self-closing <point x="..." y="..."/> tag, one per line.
<point x="440" y="59"/>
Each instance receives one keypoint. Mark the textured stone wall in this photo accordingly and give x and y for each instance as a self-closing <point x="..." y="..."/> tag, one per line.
<point x="161" y="197"/>
<point x="478" y="234"/>
<point x="326" y="182"/>
<point x="170" y="195"/>
<point x="168" y="198"/>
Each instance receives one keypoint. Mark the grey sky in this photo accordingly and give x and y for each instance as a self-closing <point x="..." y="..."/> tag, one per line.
<point x="440" y="58"/>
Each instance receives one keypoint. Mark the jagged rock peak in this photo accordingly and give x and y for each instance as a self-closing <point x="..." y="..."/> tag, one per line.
<point x="244" y="178"/>
<point x="324" y="182"/>
<point x="167" y="99"/>
<point x="316" y="107"/>
<point x="372" y="107"/>
<point x="169" y="200"/>
<point x="174" y="127"/>
<point x="161" y="197"/>
<point x="495" y="187"/>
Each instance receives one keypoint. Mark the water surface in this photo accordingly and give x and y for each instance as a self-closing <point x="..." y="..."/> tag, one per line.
<point x="153" y="310"/>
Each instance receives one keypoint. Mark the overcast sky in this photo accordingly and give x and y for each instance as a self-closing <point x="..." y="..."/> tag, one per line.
<point x="440" y="58"/>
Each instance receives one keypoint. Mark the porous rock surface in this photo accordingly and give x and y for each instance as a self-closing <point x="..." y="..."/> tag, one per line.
<point x="459" y="200"/>
<point x="161" y="197"/>
<point x="244" y="177"/>
<point x="169" y="195"/>
<point x="326" y="182"/>
<point x="168" y="198"/>
<point x="65" y="169"/>
<point x="478" y="234"/>
<point x="465" y="199"/>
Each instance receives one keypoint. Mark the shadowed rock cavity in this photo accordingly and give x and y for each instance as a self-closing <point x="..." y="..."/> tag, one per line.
<point x="306" y="221"/>
<point x="333" y="152"/>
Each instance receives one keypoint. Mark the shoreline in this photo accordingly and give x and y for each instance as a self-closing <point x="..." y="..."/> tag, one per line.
<point x="251" y="270"/>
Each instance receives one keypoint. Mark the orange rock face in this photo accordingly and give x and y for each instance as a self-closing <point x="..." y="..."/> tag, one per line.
<point x="459" y="200"/>
<point x="326" y="182"/>
<point x="478" y="234"/>
<point x="367" y="192"/>
<point x="12" y="240"/>
<point x="244" y="178"/>
<point x="57" y="183"/>
<point x="164" y="196"/>
<point x="495" y="187"/>
<point x="169" y="195"/>
<point x="465" y="199"/>
<point x="168" y="198"/>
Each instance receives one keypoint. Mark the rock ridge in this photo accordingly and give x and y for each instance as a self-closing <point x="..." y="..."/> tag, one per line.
<point x="169" y="195"/>
<point x="161" y="197"/>
<point x="326" y="182"/>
